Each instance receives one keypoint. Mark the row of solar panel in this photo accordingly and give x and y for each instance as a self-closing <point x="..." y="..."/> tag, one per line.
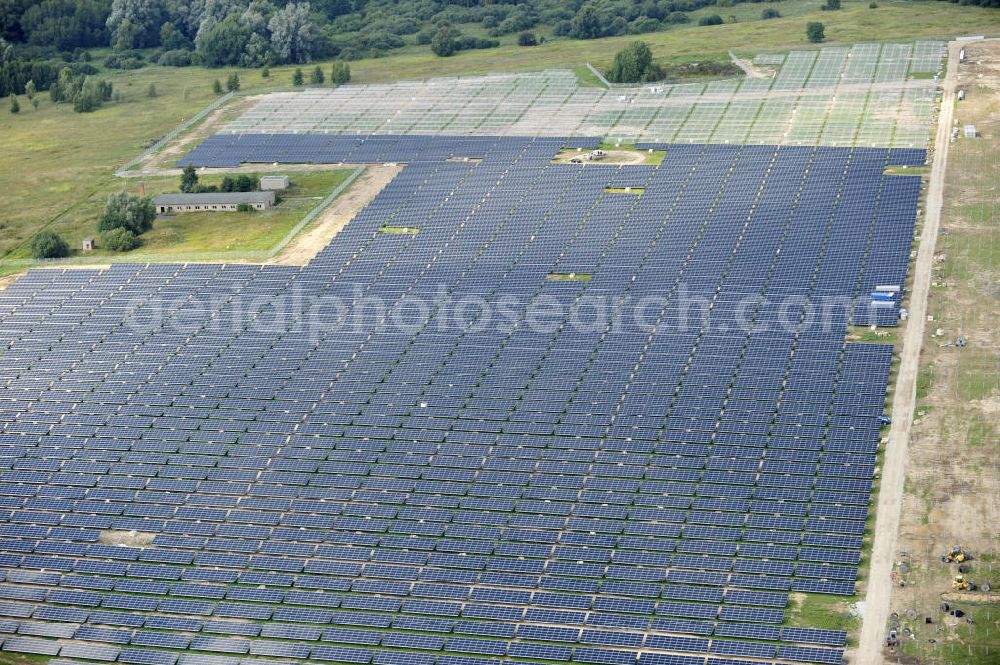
<point x="396" y="270"/>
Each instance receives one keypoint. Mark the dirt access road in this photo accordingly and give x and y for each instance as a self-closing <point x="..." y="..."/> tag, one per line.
<point x="890" y="500"/>
<point x="315" y="237"/>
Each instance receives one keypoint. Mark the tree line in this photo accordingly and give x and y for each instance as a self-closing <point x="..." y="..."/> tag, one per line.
<point x="255" y="33"/>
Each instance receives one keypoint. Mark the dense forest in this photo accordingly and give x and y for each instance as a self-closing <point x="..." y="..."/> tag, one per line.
<point x="40" y="38"/>
<point x="253" y="33"/>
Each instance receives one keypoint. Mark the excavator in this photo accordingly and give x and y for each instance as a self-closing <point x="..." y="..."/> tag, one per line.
<point x="962" y="584"/>
<point x="955" y="555"/>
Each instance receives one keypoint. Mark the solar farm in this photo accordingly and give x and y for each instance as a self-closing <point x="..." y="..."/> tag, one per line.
<point x="863" y="95"/>
<point x="516" y="412"/>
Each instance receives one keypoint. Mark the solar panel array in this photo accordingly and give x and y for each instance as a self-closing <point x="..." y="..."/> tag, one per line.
<point x="215" y="464"/>
<point x="864" y="95"/>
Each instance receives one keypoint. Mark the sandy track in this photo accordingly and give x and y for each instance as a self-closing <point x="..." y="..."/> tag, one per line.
<point x="890" y="500"/>
<point x="318" y="235"/>
<point x="175" y="149"/>
<point x="750" y="69"/>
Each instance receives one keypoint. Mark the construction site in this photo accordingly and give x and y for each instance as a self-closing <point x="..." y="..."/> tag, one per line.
<point x="945" y="606"/>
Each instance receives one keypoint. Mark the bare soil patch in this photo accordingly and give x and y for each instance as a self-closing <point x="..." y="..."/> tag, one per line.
<point x="952" y="490"/>
<point x="611" y="158"/>
<point x="752" y="70"/>
<point x="126" y="538"/>
<point x="328" y="224"/>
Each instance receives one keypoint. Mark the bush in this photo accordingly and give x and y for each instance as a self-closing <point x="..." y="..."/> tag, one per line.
<point x="527" y="39"/>
<point x="48" y="245"/>
<point x="83" y="70"/>
<point x="119" y="240"/>
<point x="244" y="207"/>
<point x="770" y="13"/>
<point x="216" y="87"/>
<point x="872" y="5"/>
<point x="831" y="5"/>
<point x="91" y="95"/>
<point x="15" y="107"/>
<point x="124" y="60"/>
<point x="702" y="69"/>
<point x="297" y="77"/>
<point x="240" y="183"/>
<point x="175" y="58"/>
<point x="815" y="32"/>
<point x="643" y="25"/>
<point x="714" y="19"/>
<point x="470" y="43"/>
<point x="233" y="82"/>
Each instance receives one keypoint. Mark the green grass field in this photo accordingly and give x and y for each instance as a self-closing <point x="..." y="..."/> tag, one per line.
<point x="190" y="236"/>
<point x="58" y="163"/>
<point x="22" y="659"/>
<point x="893" y="20"/>
<point x="818" y="610"/>
<point x="232" y="232"/>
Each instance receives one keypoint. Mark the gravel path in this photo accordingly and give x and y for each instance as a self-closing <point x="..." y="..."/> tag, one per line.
<point x="890" y="497"/>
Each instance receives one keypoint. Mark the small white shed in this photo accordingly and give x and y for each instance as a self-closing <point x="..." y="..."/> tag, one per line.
<point x="273" y="182"/>
<point x="970" y="131"/>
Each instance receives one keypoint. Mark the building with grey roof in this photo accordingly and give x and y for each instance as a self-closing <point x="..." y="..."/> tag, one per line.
<point x="213" y="201"/>
<point x="275" y="182"/>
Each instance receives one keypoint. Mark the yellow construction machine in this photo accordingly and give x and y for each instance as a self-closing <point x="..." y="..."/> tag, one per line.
<point x="962" y="584"/>
<point x="955" y="555"/>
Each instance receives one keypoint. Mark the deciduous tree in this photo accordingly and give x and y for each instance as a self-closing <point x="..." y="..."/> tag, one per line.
<point x="189" y="179"/>
<point x="445" y="41"/>
<point x="587" y="23"/>
<point x="292" y="34"/>
<point x="135" y="23"/>
<point x="633" y="64"/>
<point x="126" y="211"/>
<point x="815" y="32"/>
